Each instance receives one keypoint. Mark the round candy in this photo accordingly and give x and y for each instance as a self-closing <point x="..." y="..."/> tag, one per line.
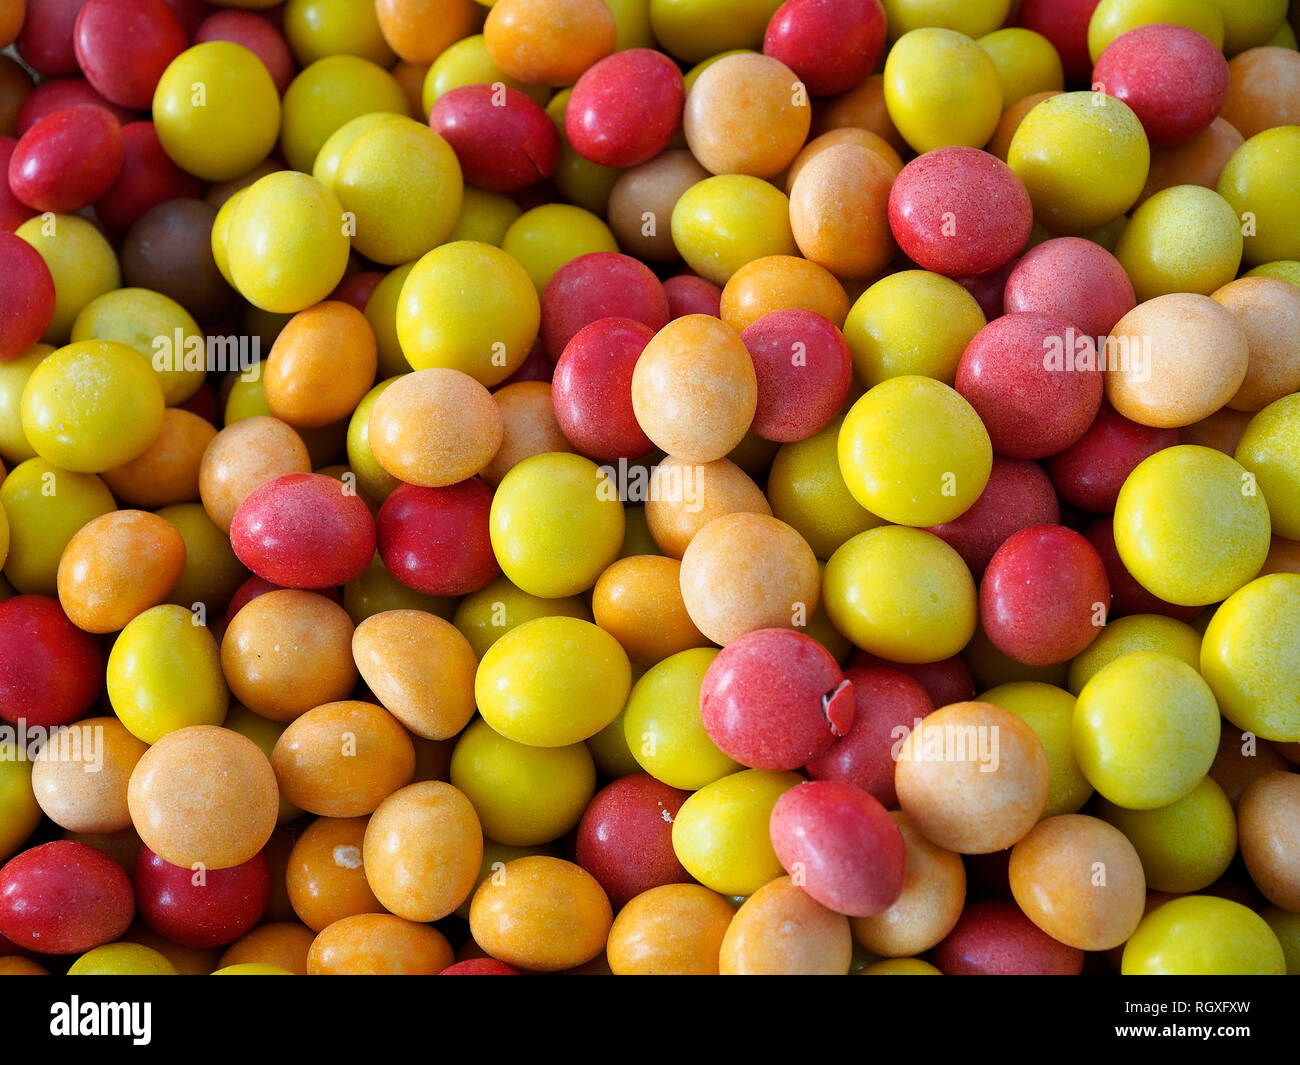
<point x="1270" y="450"/>
<point x="595" y="286"/>
<point x="199" y="907"/>
<point x="721" y="223"/>
<point x="52" y="671"/>
<point x="995" y="938"/>
<point x="839" y="211"/>
<point x="941" y="89"/>
<point x="1253" y="182"/>
<point x="503" y="140"/>
<point x="803" y="371"/>
<point x="831" y="46"/>
<point x="123" y="47"/>
<point x="549" y="42"/>
<point x="672" y="929"/>
<point x="1073" y="280"/>
<point x="1183" y="239"/>
<point x="1148" y="750"/>
<point x="67" y="160"/>
<point x="378" y="944"/>
<point x="1116" y="17"/>
<point x="1267" y="816"/>
<point x="63" y="898"/>
<point x="592" y="389"/>
<point x="1200" y="935"/>
<point x="1265" y="308"/>
<point x="613" y="124"/>
<point x="437" y="540"/>
<point x="780" y="930"/>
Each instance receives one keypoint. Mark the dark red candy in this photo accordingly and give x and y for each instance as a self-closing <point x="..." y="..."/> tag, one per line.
<point x="775" y="699"/>
<point x="45" y="43"/>
<point x="304" y="530"/>
<point x="123" y="47"/>
<point x="690" y="294"/>
<point x="1090" y="472"/>
<point x="832" y="45"/>
<point x="201" y="908"/>
<point x="256" y="33"/>
<point x="51" y="96"/>
<point x="503" y="139"/>
<point x="946" y="682"/>
<point x="625" y="838"/>
<point x="64" y="898"/>
<point x="436" y="540"/>
<point x="1065" y="24"/>
<point x="148" y="177"/>
<point x="600" y="284"/>
<point x="480" y="967"/>
<point x="67" y="160"/>
<point x="50" y="671"/>
<point x="993" y="938"/>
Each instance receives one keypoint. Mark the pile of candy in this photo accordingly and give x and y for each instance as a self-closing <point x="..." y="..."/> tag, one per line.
<point x="650" y="486"/>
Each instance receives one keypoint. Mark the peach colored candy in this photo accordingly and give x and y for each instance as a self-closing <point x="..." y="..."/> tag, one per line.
<point x="378" y="944"/>
<point x="839" y="211"/>
<point x="548" y="42"/>
<point x="343" y="759"/>
<point x="1263" y="90"/>
<point x="671" y="930"/>
<point x="642" y="201"/>
<point x="781" y="931"/>
<point x="1283" y="557"/>
<point x="1199" y="161"/>
<point x="934" y="892"/>
<point x="1080" y="880"/>
<point x="863" y="138"/>
<point x="168" y="471"/>
<point x="777" y="282"/>
<point x="961" y="791"/>
<point x="1268" y="820"/>
<point x="282" y="944"/>
<point x="287" y="651"/>
<point x="435" y="427"/>
<point x="638" y="601"/>
<point x="1268" y="311"/>
<point x="864" y="108"/>
<point x="1242" y="759"/>
<point x="743" y="572"/>
<point x="117" y="566"/>
<point x="204" y="794"/>
<point x="528" y="427"/>
<point x="189" y="961"/>
<point x="420" y="667"/>
<point x="692" y="495"/>
<point x="1174" y="360"/>
<point x="694" y="391"/>
<point x="747" y="114"/>
<point x="81" y="775"/>
<point x="422" y="851"/>
<point x="540" y="913"/>
<point x="1221" y="430"/>
<point x="320" y="365"/>
<point x="244" y="455"/>
<point x="1000" y="143"/>
<point x="15" y="965"/>
<point x="326" y="877"/>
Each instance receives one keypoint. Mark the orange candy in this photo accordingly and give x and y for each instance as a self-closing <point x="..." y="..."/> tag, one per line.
<point x="116" y="566"/>
<point x="1263" y="90"/>
<point x="321" y="364"/>
<point x="422" y="851"/>
<point x="863" y="108"/>
<point x="528" y="427"/>
<point x="638" y="601"/>
<point x="326" y="876"/>
<point x="1268" y="311"/>
<point x="781" y="931"/>
<point x="1268" y="819"/>
<point x="863" y="138"/>
<point x="747" y="114"/>
<point x="168" y="471"/>
<point x="204" y="794"/>
<point x="420" y="30"/>
<point x="378" y="944"/>
<point x="1199" y="161"/>
<point x="243" y="456"/>
<point x="420" y="668"/>
<point x="540" y="913"/>
<point x="692" y="495"/>
<point x="343" y="759"/>
<point x="671" y="930"/>
<point x="81" y="777"/>
<point x="287" y="651"/>
<point x="435" y="427"/>
<point x="548" y="42"/>
<point x="694" y="391"/>
<point x="839" y="211"/>
<point x="778" y="282"/>
<point x="283" y="945"/>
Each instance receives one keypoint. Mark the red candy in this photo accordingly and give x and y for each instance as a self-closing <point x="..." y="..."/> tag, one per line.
<point x="1045" y="596"/>
<point x="67" y="160"/>
<point x="13" y="212"/>
<point x="775" y="699"/>
<point x="1065" y="24"/>
<point x="625" y="109"/>
<point x="28" y="304"/>
<point x="148" y="177"/>
<point x="989" y="289"/>
<point x="256" y="33"/>
<point x="804" y="371"/>
<point x="504" y="140"/>
<point x="1090" y="472"/>
<point x="1072" y="279"/>
<point x="885" y="700"/>
<point x="959" y="211"/>
<point x="625" y="838"/>
<point x="1018" y="494"/>
<point x="51" y="96"/>
<point x="64" y="898"/>
<point x="689" y="294"/>
<point x="946" y="682"/>
<point x="1127" y="596"/>
<point x="357" y="288"/>
<point x="480" y="967"/>
<point x="601" y="284"/>
<point x="841" y="846"/>
<point x="1174" y="78"/>
<point x="436" y="540"/>
<point x="994" y="938"/>
<point x="123" y="47"/>
<point x="1031" y="405"/>
<point x="831" y="44"/>
<point x="50" y="671"/>
<point x="201" y="908"/>
<point x="592" y="389"/>
<point x="45" y="43"/>
<point x="304" y="530"/>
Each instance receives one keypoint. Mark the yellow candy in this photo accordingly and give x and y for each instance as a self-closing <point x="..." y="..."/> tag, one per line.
<point x="325" y="96"/>
<point x="1259" y="182"/>
<point x="80" y="260"/>
<point x="1270" y="450"/>
<point x="122" y="959"/>
<point x="1199" y="935"/>
<point x="1115" y="17"/>
<point x="1049" y="711"/>
<point x="1183" y="239"/>
<point x="1137" y="632"/>
<point x="545" y="238"/>
<point x="941" y="88"/>
<point x="723" y="222"/>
